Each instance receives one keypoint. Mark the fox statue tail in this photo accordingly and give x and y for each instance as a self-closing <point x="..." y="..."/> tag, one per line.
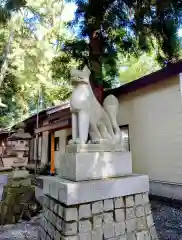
<point x="111" y="106"/>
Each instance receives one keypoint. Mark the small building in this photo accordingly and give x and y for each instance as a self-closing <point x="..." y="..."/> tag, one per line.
<point x="151" y="111"/>
<point x="150" y="118"/>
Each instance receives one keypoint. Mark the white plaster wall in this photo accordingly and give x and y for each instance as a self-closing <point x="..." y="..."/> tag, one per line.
<point x="154" y="115"/>
<point x="44" y="156"/>
<point x="62" y="134"/>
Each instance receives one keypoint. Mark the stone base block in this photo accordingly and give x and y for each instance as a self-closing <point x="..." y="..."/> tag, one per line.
<point x="20" y="174"/>
<point x="69" y="192"/>
<point x="102" y="147"/>
<point x="126" y="216"/>
<point x="95" y="165"/>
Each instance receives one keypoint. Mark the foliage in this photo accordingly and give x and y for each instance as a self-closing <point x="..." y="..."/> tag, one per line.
<point x="36" y="65"/>
<point x="124" y="27"/>
<point x="132" y="68"/>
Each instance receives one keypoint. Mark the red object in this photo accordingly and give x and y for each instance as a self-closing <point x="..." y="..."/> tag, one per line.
<point x="98" y="92"/>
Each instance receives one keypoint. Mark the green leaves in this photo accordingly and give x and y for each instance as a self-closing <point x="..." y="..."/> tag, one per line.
<point x="35" y="60"/>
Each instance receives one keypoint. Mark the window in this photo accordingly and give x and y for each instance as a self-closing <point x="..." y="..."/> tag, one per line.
<point x="125" y="137"/>
<point x="22" y="142"/>
<point x="56" y="142"/>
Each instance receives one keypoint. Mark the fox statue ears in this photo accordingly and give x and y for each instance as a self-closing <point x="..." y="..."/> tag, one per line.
<point x="84" y="74"/>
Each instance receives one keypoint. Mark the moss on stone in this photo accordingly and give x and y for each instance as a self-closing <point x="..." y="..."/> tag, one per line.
<point x="17" y="201"/>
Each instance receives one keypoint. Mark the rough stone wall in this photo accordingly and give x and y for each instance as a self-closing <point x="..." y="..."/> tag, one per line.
<point x="124" y="218"/>
<point x="17" y="201"/>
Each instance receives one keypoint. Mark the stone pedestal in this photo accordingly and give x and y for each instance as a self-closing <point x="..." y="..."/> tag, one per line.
<point x="94" y="161"/>
<point x="96" y="197"/>
<point x="113" y="209"/>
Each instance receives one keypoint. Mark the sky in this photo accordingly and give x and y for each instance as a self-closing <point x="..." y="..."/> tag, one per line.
<point x="68" y="12"/>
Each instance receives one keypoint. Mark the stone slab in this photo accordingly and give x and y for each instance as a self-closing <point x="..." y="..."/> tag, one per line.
<point x="20" y="174"/>
<point x="102" y="147"/>
<point x="71" y="193"/>
<point x="94" y="165"/>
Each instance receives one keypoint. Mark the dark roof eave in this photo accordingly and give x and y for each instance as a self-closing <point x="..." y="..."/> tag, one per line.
<point x="154" y="77"/>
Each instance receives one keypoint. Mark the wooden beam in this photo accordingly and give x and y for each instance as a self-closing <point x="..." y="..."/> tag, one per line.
<point x="58" y="125"/>
<point x="52" y="170"/>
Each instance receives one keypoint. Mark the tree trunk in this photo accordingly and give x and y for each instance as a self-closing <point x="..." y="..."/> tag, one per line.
<point x="95" y="58"/>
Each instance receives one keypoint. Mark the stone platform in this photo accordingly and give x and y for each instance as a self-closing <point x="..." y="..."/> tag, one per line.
<point x="79" y="165"/>
<point x="112" y="209"/>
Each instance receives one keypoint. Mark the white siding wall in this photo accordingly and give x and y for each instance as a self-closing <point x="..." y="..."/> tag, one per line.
<point x="44" y="156"/>
<point x="62" y="142"/>
<point x="62" y="134"/>
<point x="154" y="115"/>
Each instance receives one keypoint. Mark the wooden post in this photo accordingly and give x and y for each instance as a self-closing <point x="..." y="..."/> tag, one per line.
<point x="52" y="154"/>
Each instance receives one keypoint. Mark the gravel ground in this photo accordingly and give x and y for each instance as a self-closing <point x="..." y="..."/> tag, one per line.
<point x="20" y="231"/>
<point x="167" y="217"/>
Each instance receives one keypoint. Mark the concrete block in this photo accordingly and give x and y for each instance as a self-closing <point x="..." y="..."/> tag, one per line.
<point x="129" y="201"/>
<point x="70" y="214"/>
<point x="60" y="210"/>
<point x="94" y="165"/>
<point x="123" y="237"/>
<point x="55" y="210"/>
<point x="140" y="211"/>
<point x="150" y="221"/>
<point x="58" y="235"/>
<point x="130" y="213"/>
<point x="142" y="235"/>
<point x="108" y="217"/>
<point x="153" y="233"/>
<point x="85" y="226"/>
<point x="141" y="223"/>
<point x="97" y="234"/>
<point x="97" y="221"/>
<point x="51" y="204"/>
<point x="46" y="201"/>
<point x="59" y="223"/>
<point x="69" y="238"/>
<point x="145" y="198"/>
<point x="84" y="211"/>
<point x="119" y="228"/>
<point x="70" y="228"/>
<point x="131" y="236"/>
<point x="108" y="205"/>
<point x="119" y="202"/>
<point x="119" y="215"/>
<point x="97" y="207"/>
<point x="109" y="230"/>
<point x="54" y="219"/>
<point x="85" y="236"/>
<point x="148" y="209"/>
<point x="54" y="190"/>
<point x="139" y="199"/>
<point x="131" y="225"/>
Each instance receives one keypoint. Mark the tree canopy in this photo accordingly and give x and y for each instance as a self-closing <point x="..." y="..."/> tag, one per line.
<point x="107" y="29"/>
<point x="36" y="63"/>
<point x="117" y="39"/>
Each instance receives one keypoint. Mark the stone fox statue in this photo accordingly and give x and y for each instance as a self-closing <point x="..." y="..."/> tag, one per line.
<point x="88" y="116"/>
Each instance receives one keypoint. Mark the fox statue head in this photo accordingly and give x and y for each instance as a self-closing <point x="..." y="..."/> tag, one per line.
<point x="80" y="76"/>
